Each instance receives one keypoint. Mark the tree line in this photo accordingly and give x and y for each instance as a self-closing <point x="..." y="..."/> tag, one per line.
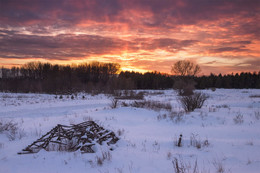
<point x="49" y="78"/>
<point x="105" y="77"/>
<point x="88" y="77"/>
<point x="237" y="81"/>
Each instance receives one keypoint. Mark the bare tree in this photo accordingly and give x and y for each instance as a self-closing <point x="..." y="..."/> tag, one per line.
<point x="185" y="71"/>
<point x="185" y="68"/>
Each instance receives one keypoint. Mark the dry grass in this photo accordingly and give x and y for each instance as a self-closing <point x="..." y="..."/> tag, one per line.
<point x="105" y="156"/>
<point x="180" y="166"/>
<point x="195" y="141"/>
<point x="218" y="164"/>
<point x="11" y="130"/>
<point x="238" y="119"/>
<point x="129" y="95"/>
<point x="172" y="116"/>
<point x="153" y="105"/>
<point x="257" y="115"/>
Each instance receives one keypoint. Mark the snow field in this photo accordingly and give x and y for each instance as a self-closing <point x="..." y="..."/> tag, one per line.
<point x="226" y="132"/>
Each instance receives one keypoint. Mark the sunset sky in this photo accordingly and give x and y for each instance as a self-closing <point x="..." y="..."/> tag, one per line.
<point x="222" y="36"/>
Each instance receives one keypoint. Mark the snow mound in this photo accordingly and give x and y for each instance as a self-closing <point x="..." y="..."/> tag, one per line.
<point x="83" y="137"/>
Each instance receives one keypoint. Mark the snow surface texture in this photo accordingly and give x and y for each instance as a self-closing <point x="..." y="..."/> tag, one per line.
<point x="224" y="135"/>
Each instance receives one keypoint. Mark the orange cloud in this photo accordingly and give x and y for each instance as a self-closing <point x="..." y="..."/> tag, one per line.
<point x="138" y="34"/>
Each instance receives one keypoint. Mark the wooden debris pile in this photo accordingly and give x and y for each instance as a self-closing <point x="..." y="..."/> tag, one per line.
<point x="81" y="137"/>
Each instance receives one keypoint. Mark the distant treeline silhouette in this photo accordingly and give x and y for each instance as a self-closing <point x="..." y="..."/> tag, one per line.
<point x="237" y="81"/>
<point x="104" y="77"/>
<point x="87" y="77"/>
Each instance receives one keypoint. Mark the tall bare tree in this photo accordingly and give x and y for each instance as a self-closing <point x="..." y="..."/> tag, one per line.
<point x="184" y="71"/>
<point x="185" y="68"/>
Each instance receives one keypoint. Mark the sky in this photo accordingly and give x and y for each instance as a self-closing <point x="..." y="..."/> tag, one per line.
<point x="222" y="36"/>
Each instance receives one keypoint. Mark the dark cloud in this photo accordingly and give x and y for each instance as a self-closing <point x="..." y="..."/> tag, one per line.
<point x="58" y="12"/>
<point x="229" y="49"/>
<point x="172" y="45"/>
<point x="58" y="47"/>
<point x="250" y="28"/>
<point x="66" y="46"/>
<point x="15" y="12"/>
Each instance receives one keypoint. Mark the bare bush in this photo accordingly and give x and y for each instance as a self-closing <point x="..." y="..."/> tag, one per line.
<point x="251" y="143"/>
<point x="156" y="146"/>
<point x="196" y="142"/>
<point x="113" y="104"/>
<point x="129" y="95"/>
<point x="192" y="102"/>
<point x="169" y="155"/>
<point x="104" y="156"/>
<point x="87" y="118"/>
<point x="223" y="106"/>
<point x="257" y="115"/>
<point x="156" y="93"/>
<point x="124" y="104"/>
<point x="154" y="105"/>
<point x="238" y="119"/>
<point x="213" y="89"/>
<point x="7" y="126"/>
<point x="11" y="130"/>
<point x="218" y="164"/>
<point x="254" y="96"/>
<point x="173" y="116"/>
<point x="176" y="116"/>
<point x="160" y="117"/>
<point x="180" y="166"/>
<point x="120" y="132"/>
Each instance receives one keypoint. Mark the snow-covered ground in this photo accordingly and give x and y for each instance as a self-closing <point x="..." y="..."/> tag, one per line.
<point x="225" y="133"/>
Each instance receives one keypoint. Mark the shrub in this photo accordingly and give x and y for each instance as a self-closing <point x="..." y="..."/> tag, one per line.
<point x="238" y="119"/>
<point x="106" y="155"/>
<point x="218" y="164"/>
<point x="8" y="126"/>
<point x="129" y="95"/>
<point x="197" y="143"/>
<point x="180" y="166"/>
<point x="113" y="104"/>
<point x="213" y="89"/>
<point x="11" y="130"/>
<point x="173" y="116"/>
<point x="153" y="105"/>
<point x="191" y="102"/>
<point x="254" y="96"/>
<point x="257" y="115"/>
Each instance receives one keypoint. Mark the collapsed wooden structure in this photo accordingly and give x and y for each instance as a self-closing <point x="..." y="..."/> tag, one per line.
<point x="81" y="137"/>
